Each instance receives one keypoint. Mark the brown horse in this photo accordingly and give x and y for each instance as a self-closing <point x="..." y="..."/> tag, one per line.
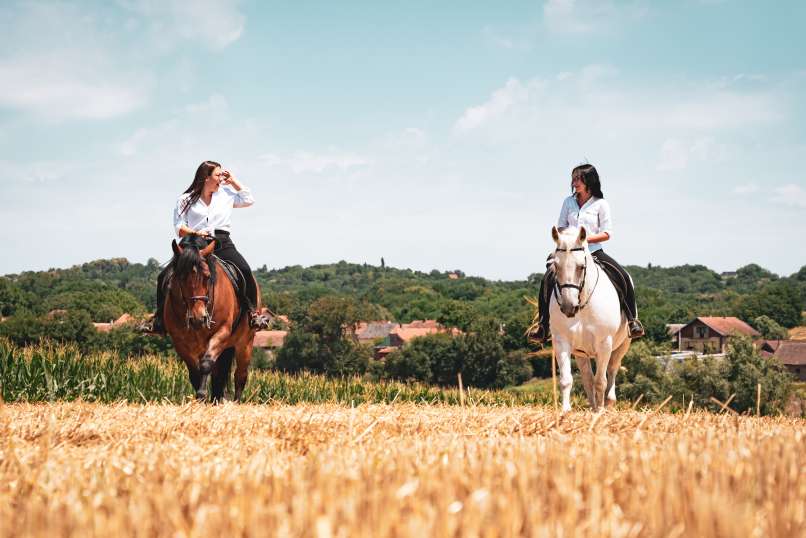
<point x="201" y="315"/>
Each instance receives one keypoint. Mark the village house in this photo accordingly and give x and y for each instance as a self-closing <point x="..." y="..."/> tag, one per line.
<point x="707" y="334"/>
<point x="369" y="332"/>
<point x="123" y="320"/>
<point x="790" y="353"/>
<point x="269" y="341"/>
<point x="402" y="334"/>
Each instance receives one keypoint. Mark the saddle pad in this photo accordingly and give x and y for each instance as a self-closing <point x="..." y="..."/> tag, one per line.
<point x="233" y="274"/>
<point x="615" y="277"/>
<point x="238" y="281"/>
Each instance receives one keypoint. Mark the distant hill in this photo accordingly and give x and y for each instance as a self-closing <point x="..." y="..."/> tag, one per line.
<point x="107" y="288"/>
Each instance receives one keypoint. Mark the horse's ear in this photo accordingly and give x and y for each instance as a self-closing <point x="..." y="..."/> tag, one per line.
<point x="206" y="251"/>
<point x="583" y="234"/>
<point x="176" y="248"/>
<point x="555" y="234"/>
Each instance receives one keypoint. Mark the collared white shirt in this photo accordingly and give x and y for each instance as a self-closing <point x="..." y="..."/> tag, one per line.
<point x="217" y="216"/>
<point x="594" y="215"/>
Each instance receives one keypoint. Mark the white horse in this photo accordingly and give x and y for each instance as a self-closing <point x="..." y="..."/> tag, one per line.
<point x="586" y="320"/>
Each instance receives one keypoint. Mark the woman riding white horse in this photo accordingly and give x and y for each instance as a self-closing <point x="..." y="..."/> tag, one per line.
<point x="586" y="320"/>
<point x="587" y="207"/>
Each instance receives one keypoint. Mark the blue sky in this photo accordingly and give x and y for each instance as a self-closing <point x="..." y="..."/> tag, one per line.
<point x="437" y="136"/>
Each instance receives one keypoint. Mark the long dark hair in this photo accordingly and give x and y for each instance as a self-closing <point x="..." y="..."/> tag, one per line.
<point x="195" y="190"/>
<point x="590" y="177"/>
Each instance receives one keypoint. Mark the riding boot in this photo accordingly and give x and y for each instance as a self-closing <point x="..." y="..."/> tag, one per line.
<point x="542" y="334"/>
<point x="636" y="329"/>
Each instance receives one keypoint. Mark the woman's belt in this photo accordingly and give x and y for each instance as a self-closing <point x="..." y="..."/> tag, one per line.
<point x="220" y="232"/>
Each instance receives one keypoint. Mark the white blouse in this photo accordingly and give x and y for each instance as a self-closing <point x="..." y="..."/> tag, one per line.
<point x="217" y="216"/>
<point x="594" y="215"/>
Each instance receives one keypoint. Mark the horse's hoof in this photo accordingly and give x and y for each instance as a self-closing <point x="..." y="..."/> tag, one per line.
<point x="201" y="396"/>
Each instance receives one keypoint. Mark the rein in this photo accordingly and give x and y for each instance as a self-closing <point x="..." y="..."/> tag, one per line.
<point x="579" y="287"/>
<point x="206" y="299"/>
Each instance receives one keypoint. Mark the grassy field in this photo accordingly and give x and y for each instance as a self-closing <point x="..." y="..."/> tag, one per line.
<point x="89" y="469"/>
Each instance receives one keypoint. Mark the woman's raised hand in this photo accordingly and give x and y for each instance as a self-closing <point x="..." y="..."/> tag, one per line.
<point x="228" y="179"/>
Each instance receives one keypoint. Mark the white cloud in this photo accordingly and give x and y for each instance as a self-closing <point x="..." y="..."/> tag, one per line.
<point x="37" y="171"/>
<point x="301" y="162"/>
<point x="676" y="154"/>
<point x="212" y="23"/>
<point x="506" y="41"/>
<point x="599" y="98"/>
<point x="56" y="69"/>
<point x="501" y="101"/>
<point x="66" y="85"/>
<point x="747" y="188"/>
<point x="790" y="195"/>
<point x="216" y="105"/>
<point x="591" y="16"/>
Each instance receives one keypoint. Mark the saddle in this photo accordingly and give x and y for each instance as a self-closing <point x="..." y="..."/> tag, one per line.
<point x="234" y="275"/>
<point x="615" y="277"/>
<point x="238" y="281"/>
<point x="609" y="269"/>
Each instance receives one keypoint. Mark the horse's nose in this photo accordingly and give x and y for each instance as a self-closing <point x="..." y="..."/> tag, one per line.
<point x="569" y="311"/>
<point x="196" y="323"/>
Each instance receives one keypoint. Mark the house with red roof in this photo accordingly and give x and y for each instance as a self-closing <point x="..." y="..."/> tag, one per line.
<point x="792" y="354"/>
<point x="709" y="334"/>
<point x="269" y="339"/>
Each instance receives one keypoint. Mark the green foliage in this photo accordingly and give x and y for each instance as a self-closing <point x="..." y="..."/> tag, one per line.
<point x="102" y="305"/>
<point x="12" y="298"/>
<point x="646" y="371"/>
<point x="746" y="369"/>
<point x="321" y="339"/>
<point x="49" y="372"/>
<point x="769" y="328"/>
<point x="513" y="370"/>
<point x="478" y="355"/>
<point x="262" y="360"/>
<point x="781" y="301"/>
<point x="700" y="379"/>
<point x="643" y="373"/>
<point x="27" y="329"/>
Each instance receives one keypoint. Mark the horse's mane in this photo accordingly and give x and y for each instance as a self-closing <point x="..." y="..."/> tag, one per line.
<point x="189" y="259"/>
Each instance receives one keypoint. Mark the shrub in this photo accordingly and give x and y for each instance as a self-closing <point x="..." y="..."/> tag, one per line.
<point x="769" y="328"/>
<point x="746" y="369"/>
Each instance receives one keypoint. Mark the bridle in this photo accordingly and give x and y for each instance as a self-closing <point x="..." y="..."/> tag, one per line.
<point x="206" y="299"/>
<point x="579" y="287"/>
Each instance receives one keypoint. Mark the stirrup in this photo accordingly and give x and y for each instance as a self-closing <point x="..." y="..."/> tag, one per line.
<point x="258" y="321"/>
<point x="152" y="326"/>
<point x="541" y="335"/>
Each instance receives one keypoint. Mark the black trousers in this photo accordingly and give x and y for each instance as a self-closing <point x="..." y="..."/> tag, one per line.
<point x="617" y="274"/>
<point x="225" y="249"/>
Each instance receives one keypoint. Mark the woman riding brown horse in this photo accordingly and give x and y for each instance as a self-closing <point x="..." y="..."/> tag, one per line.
<point x="204" y="319"/>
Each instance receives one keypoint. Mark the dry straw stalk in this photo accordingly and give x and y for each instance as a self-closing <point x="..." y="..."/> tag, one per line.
<point x="78" y="469"/>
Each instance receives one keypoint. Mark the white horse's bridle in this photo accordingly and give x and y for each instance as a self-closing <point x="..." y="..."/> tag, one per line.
<point x="579" y="287"/>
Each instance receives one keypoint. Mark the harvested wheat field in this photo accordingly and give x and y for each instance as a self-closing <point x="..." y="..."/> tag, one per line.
<point x="77" y="469"/>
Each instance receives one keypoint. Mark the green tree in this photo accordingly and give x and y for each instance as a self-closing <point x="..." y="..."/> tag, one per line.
<point x="700" y="378"/>
<point x="746" y="369"/>
<point x="769" y="328"/>
<point x="12" y="298"/>
<point x="321" y="339"/>
<point x="781" y="301"/>
<point x="642" y="372"/>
